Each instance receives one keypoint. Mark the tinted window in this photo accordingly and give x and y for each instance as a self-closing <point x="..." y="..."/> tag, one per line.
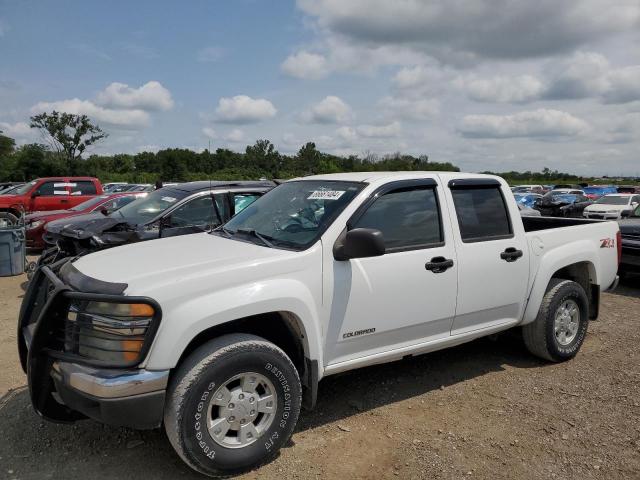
<point x="199" y="212"/>
<point x="482" y="213"/>
<point x="407" y="218"/>
<point x="83" y="187"/>
<point x="50" y="188"/>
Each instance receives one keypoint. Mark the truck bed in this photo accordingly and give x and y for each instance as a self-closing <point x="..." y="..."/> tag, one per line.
<point x="533" y="224"/>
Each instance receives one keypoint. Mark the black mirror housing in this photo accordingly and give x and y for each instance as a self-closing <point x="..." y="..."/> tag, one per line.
<point x="359" y="243"/>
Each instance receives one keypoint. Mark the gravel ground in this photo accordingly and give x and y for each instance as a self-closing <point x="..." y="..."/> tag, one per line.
<point x="486" y="409"/>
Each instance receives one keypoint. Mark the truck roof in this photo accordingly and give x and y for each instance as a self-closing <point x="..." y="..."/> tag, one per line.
<point x="389" y="176"/>
<point x="206" y="185"/>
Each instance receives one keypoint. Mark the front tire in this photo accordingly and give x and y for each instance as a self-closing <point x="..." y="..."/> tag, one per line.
<point x="560" y="328"/>
<point x="232" y="404"/>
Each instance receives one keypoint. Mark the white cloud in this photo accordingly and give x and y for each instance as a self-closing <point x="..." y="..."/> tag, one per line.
<point x="390" y="130"/>
<point x="150" y="96"/>
<point x="410" y="108"/>
<point x="624" y="85"/>
<point x="121" y="118"/>
<point x="18" y="130"/>
<point x="210" y="133"/>
<point x="243" y="109"/>
<point x="235" y="135"/>
<point x="209" y="54"/>
<point x="536" y="123"/>
<point x="306" y="65"/>
<point x="330" y="109"/>
<point x="455" y="31"/>
<point x="501" y="89"/>
<point x="347" y="134"/>
<point x="583" y="75"/>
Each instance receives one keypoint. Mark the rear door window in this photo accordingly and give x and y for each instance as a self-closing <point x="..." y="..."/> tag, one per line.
<point x="408" y="218"/>
<point x="482" y="213"/>
<point x="83" y="187"/>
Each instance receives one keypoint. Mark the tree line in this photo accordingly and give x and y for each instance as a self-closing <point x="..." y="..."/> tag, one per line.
<point x="68" y="137"/>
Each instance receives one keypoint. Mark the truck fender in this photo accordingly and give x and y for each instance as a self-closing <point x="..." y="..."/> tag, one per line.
<point x="553" y="261"/>
<point x="196" y="315"/>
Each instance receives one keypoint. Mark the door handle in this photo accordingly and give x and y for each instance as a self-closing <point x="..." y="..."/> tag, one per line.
<point x="439" y="264"/>
<point x="511" y="254"/>
<point x="64" y="201"/>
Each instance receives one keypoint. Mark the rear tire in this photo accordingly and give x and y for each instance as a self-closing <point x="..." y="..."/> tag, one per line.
<point x="232" y="404"/>
<point x="560" y="328"/>
<point x="8" y="218"/>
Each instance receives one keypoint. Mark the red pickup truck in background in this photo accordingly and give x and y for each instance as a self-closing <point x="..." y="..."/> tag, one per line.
<point x="52" y="193"/>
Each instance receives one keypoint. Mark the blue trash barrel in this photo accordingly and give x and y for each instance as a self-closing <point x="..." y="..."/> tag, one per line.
<point x="12" y="251"/>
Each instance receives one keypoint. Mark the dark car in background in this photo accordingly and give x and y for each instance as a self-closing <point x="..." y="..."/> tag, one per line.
<point x="630" y="230"/>
<point x="176" y="210"/>
<point x="562" y="203"/>
<point x="36" y="222"/>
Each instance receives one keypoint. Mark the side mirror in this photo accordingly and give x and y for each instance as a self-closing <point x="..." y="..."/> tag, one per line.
<point x="359" y="243"/>
<point x="34" y="195"/>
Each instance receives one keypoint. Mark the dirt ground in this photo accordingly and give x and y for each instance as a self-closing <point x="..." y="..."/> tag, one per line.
<point x="483" y="410"/>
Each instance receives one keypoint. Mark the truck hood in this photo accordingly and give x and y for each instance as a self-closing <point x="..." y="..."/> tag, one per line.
<point x="160" y="265"/>
<point x="83" y="226"/>
<point x="607" y="208"/>
<point x="9" y="199"/>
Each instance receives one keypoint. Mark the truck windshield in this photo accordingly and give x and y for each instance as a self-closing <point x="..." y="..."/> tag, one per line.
<point x="24" y="188"/>
<point x="146" y="209"/>
<point x="292" y="215"/>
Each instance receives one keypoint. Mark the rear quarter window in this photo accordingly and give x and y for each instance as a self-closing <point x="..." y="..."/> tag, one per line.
<point x="482" y="213"/>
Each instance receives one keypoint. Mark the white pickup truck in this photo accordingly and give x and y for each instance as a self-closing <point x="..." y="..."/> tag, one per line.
<point x="223" y="336"/>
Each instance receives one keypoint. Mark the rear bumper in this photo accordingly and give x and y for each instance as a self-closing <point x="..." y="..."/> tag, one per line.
<point x="132" y="398"/>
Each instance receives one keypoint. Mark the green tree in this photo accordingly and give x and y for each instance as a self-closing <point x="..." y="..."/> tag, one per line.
<point x="308" y="158"/>
<point x="68" y="134"/>
<point x="7" y="145"/>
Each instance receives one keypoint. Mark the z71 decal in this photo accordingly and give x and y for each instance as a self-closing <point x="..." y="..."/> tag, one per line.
<point x="607" y="243"/>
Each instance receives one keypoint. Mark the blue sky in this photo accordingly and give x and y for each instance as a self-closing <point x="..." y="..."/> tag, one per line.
<point x="506" y="85"/>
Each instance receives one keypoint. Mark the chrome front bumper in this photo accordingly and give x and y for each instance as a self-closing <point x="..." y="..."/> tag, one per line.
<point x="106" y="383"/>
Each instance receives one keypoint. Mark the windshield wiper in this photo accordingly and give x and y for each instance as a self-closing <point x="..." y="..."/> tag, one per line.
<point x="259" y="236"/>
<point x="225" y="230"/>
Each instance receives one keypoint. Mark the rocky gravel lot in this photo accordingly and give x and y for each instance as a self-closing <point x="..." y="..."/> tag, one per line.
<point x="487" y="409"/>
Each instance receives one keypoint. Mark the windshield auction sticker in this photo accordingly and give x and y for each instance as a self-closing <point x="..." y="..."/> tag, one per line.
<point x="169" y="199"/>
<point x="325" y="195"/>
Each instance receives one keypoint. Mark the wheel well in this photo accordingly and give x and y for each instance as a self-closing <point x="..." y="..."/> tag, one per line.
<point x="583" y="273"/>
<point x="12" y="211"/>
<point x="281" y="328"/>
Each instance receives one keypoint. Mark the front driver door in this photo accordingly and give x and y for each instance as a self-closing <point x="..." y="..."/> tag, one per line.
<point x="393" y="301"/>
<point x="196" y="215"/>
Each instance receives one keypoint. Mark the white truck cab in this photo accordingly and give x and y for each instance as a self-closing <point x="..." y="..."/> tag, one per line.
<point x="223" y="336"/>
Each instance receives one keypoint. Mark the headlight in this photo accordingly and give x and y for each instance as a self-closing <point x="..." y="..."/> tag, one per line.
<point x="34" y="224"/>
<point x="111" y="334"/>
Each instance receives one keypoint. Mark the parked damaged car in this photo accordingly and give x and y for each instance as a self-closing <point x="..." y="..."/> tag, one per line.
<point x="170" y="211"/>
<point x="562" y="203"/>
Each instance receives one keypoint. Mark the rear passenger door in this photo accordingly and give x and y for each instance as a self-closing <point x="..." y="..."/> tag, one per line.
<point x="80" y="191"/>
<point x="406" y="296"/>
<point x="493" y="256"/>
